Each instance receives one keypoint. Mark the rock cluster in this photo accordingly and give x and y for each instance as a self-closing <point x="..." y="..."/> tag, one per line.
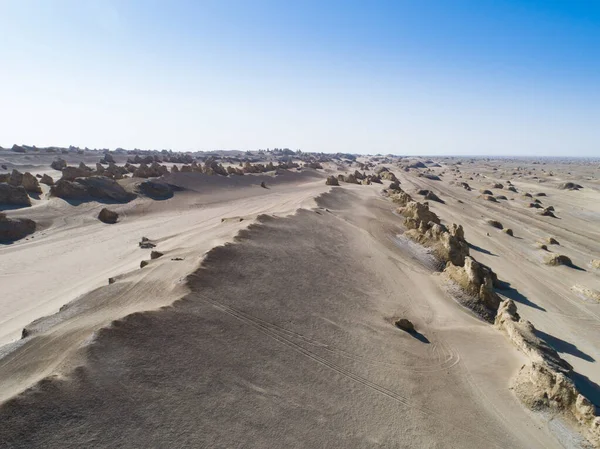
<point x="545" y="381"/>
<point x="450" y="246"/>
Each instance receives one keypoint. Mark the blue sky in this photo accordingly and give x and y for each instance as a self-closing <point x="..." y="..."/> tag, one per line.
<point x="406" y="77"/>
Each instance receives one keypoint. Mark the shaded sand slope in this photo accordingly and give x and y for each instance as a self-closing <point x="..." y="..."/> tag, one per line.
<point x="286" y="340"/>
<point x="79" y="254"/>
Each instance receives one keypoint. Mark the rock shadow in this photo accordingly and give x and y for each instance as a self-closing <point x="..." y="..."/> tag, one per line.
<point x="563" y="346"/>
<point x="587" y="387"/>
<point x="514" y="294"/>
<point x="482" y="250"/>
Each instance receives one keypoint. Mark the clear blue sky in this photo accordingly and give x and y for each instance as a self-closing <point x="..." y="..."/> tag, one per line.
<point x="409" y="77"/>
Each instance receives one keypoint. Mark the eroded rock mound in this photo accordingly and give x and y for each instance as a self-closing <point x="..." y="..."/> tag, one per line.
<point x="58" y="164"/>
<point x="30" y="183"/>
<point x="496" y="224"/>
<point x="14" y="195"/>
<point x="12" y="229"/>
<point x="477" y="280"/>
<point x="569" y="186"/>
<point x="46" y="179"/>
<point x="429" y="195"/>
<point x="545" y="382"/>
<point x="155" y="189"/>
<point x="405" y="325"/>
<point x="555" y="260"/>
<point x="108" y="216"/>
<point x="332" y="181"/>
<point x="96" y="187"/>
<point x="587" y="292"/>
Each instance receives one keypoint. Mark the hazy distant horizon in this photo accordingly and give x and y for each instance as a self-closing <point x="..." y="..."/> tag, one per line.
<point x="423" y="78"/>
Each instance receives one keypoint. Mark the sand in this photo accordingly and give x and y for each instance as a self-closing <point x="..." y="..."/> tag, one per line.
<point x="278" y="330"/>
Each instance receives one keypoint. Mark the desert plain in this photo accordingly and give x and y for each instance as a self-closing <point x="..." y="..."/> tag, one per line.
<point x="287" y="299"/>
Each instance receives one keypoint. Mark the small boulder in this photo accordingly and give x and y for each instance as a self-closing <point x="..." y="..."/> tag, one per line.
<point x="490" y="198"/>
<point x="495" y="224"/>
<point x="143" y="263"/>
<point x="552" y="241"/>
<point x="569" y="186"/>
<point x="508" y="231"/>
<point x="145" y="243"/>
<point x="405" y="325"/>
<point x="557" y="259"/>
<point x="547" y="213"/>
<point x="58" y="164"/>
<point x="108" y="216"/>
<point x="155" y="255"/>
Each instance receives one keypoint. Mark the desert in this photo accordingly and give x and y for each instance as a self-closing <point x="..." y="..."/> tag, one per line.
<point x="297" y="299"/>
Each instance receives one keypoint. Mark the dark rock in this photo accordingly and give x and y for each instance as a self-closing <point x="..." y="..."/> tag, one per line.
<point x="96" y="187"/>
<point x="108" y="216"/>
<point x="155" y="255"/>
<point x="30" y="183"/>
<point x="405" y="325"/>
<point x="332" y="181"/>
<point x="155" y="189"/>
<point x="12" y="229"/>
<point x="46" y="179"/>
<point x="58" y="164"/>
<point x="16" y="196"/>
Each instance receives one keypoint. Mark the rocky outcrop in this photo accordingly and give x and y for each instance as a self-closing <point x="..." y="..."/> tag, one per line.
<point x="16" y="178"/>
<point x="544" y="383"/>
<point x="430" y="196"/>
<point x="332" y="181"/>
<point x="108" y="216"/>
<point x="478" y="281"/>
<point x="405" y="325"/>
<point x="46" y="179"/>
<point x="58" y="164"/>
<point x="351" y="179"/>
<point x="30" y="183"/>
<point x="155" y="170"/>
<point x="155" y="189"/>
<point x="71" y="173"/>
<point x="14" y="195"/>
<point x="388" y="176"/>
<point x="557" y="259"/>
<point x="569" y="186"/>
<point x="12" y="229"/>
<point x="94" y="187"/>
<point x="587" y="292"/>
<point x="496" y="224"/>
